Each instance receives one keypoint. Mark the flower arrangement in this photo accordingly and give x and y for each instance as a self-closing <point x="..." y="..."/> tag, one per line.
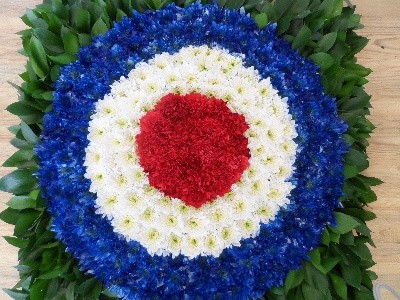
<point x="181" y="161"/>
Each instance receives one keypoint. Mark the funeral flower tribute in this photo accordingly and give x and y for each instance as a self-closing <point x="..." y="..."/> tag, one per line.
<point x="188" y="154"/>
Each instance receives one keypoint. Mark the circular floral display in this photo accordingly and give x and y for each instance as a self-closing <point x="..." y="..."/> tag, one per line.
<point x="194" y="149"/>
<point x="183" y="161"/>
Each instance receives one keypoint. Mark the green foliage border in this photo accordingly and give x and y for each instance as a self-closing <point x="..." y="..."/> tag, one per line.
<point x="323" y="30"/>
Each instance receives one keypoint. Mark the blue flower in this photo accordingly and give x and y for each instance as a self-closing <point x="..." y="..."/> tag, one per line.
<point x="239" y="272"/>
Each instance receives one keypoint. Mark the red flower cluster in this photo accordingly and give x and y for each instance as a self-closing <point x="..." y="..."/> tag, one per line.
<point x="193" y="147"/>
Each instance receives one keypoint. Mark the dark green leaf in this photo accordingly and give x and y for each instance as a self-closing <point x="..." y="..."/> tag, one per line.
<point x="84" y="39"/>
<point x="299" y="7"/>
<point x="315" y="256"/>
<point x="18" y="182"/>
<point x="281" y="7"/>
<point x="71" y="43"/>
<point x="55" y="72"/>
<point x="339" y="285"/>
<point x="38" y="57"/>
<point x="269" y="10"/>
<point x="120" y="15"/>
<point x="368" y="196"/>
<point x="48" y="96"/>
<point x="315" y="278"/>
<point x="21" y="202"/>
<point x="63" y="59"/>
<point x="327" y="42"/>
<point x="310" y="292"/>
<point x="371" y="180"/>
<point x="38" y="289"/>
<point x="25" y="112"/>
<point x="234" y="4"/>
<point x="357" y="158"/>
<point x="17" y="242"/>
<point x="350" y="171"/>
<point x="329" y="263"/>
<point x="28" y="134"/>
<point x="360" y="213"/>
<point x="362" y="251"/>
<point x="18" y="158"/>
<point x="56" y="272"/>
<point x="25" y="221"/>
<point x="302" y="38"/>
<point x="324" y="60"/>
<point x="82" y="20"/>
<point x="99" y="27"/>
<point x="32" y="20"/>
<point x="345" y="223"/>
<point x="15" y="294"/>
<point x="9" y="216"/>
<point x="293" y="279"/>
<point x="352" y="275"/>
<point x="49" y="40"/>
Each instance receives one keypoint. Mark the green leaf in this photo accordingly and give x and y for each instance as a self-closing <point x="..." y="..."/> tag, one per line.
<point x="327" y="42"/>
<point x="234" y="4"/>
<point x="368" y="196"/>
<point x="362" y="251"/>
<point x="17" y="242"/>
<point x="339" y="285"/>
<point x="25" y="221"/>
<point x="63" y="59"/>
<point x="18" y="158"/>
<point x="310" y="292"/>
<point x="315" y="256"/>
<point x="293" y="279"/>
<point x="15" y="294"/>
<point x="329" y="263"/>
<point x="99" y="27"/>
<point x="302" y="38"/>
<point x="357" y="158"/>
<point x="28" y="134"/>
<point x="87" y="285"/>
<point x="281" y="7"/>
<point x="49" y="40"/>
<point x="120" y="15"/>
<point x="360" y="213"/>
<point x="350" y="171"/>
<point x="360" y="101"/>
<point x="38" y="57"/>
<point x="48" y="96"/>
<point x="56" y="272"/>
<point x="55" y="72"/>
<point x="82" y="20"/>
<point x="352" y="275"/>
<point x="331" y="8"/>
<point x="315" y="278"/>
<point x="261" y="20"/>
<point x="71" y="43"/>
<point x="32" y="20"/>
<point x="21" y="202"/>
<point x="38" y="289"/>
<point x="18" y="182"/>
<point x="324" y="60"/>
<point x="371" y="181"/>
<point x="61" y="10"/>
<point x="9" y="216"/>
<point x="345" y="223"/>
<point x="299" y="7"/>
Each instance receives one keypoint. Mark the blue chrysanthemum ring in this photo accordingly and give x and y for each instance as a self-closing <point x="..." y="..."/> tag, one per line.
<point x="182" y="161"/>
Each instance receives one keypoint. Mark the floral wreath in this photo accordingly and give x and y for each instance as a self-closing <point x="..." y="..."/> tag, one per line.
<point x="180" y="160"/>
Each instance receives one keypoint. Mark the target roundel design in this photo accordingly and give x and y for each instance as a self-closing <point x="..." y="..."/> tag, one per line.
<point x="181" y="160"/>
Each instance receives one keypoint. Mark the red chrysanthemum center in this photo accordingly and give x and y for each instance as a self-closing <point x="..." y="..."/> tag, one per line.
<point x="193" y="147"/>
